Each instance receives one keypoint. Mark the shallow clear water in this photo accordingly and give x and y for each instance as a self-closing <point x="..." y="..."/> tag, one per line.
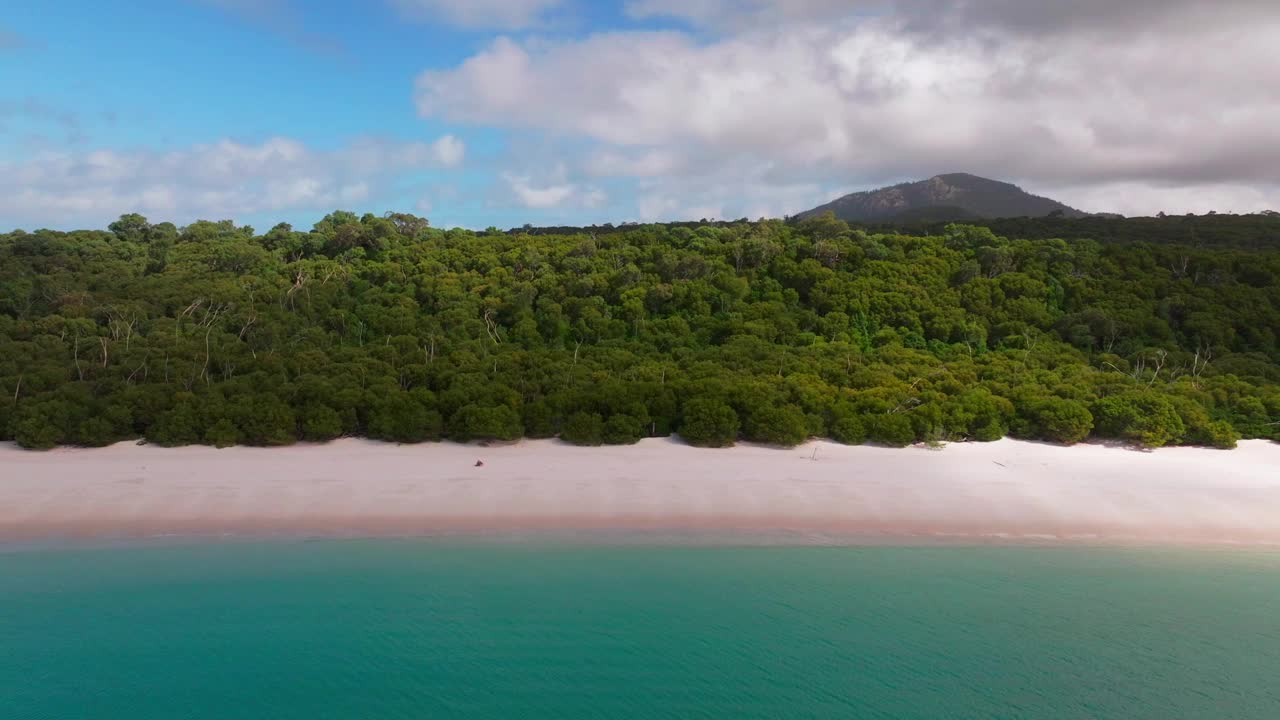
<point x="430" y="629"/>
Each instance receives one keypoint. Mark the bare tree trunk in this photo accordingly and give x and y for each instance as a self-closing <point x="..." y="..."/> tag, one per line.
<point x="1160" y="359"/>
<point x="491" y="327"/>
<point x="140" y="367"/>
<point x="75" y="352"/>
<point x="204" y="371"/>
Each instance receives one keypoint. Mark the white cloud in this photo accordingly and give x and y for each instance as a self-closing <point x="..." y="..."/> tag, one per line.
<point x="552" y="191"/>
<point x="594" y="197"/>
<point x="222" y="179"/>
<point x="730" y="193"/>
<point x="449" y="151"/>
<point x="853" y="98"/>
<point x="1148" y="199"/>
<point x="480" y="14"/>
<point x="531" y="196"/>
<point x="647" y="163"/>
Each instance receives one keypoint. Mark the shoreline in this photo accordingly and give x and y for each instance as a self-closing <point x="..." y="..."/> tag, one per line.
<point x="1007" y="492"/>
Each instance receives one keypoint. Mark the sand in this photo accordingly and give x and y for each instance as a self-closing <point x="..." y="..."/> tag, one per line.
<point x="1003" y="491"/>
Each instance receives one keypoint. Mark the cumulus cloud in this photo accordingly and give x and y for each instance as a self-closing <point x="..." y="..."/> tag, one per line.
<point x="1168" y="94"/>
<point x="480" y="14"/>
<point x="223" y="179"/>
<point x="449" y="151"/>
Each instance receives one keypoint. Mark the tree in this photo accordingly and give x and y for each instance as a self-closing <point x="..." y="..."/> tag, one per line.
<point x="132" y="227"/>
<point x="385" y="327"/>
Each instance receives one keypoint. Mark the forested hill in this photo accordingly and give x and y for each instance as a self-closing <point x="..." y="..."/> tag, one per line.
<point x="956" y="196"/>
<point x="771" y="332"/>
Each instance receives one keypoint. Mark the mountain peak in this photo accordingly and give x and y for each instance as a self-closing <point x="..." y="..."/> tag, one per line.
<point x="951" y="196"/>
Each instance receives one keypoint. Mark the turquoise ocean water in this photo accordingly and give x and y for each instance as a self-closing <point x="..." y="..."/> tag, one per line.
<point x="432" y="629"/>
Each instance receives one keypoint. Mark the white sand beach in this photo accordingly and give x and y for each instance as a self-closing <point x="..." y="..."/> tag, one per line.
<point x="1003" y="491"/>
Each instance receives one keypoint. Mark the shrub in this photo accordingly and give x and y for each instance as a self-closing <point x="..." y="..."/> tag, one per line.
<point x="401" y="417"/>
<point x="320" y="423"/>
<point x="539" y="420"/>
<point x="892" y="429"/>
<point x="709" y="423"/>
<point x="849" y="429"/>
<point x="1058" y="420"/>
<point x="623" y="429"/>
<point x="1142" y="417"/>
<point x="1220" y="434"/>
<point x="223" y="433"/>
<point x="583" y="428"/>
<point x="782" y="425"/>
<point x="486" y="422"/>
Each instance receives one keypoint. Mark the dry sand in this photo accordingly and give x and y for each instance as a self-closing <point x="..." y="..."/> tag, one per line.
<point x="1009" y="490"/>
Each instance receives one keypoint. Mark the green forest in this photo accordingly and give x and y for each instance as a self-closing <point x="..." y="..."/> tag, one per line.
<point x="770" y="332"/>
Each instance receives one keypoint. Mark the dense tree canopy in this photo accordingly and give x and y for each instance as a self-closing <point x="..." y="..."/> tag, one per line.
<point x="769" y="331"/>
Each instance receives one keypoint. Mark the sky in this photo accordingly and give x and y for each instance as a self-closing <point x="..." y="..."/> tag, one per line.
<point x="478" y="113"/>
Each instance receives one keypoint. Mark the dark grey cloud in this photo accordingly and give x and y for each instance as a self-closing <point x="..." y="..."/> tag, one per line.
<point x="1066" y="16"/>
<point x="1031" y="17"/>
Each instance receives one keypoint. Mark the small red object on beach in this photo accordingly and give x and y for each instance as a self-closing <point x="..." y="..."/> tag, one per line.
<point x="479" y="463"/>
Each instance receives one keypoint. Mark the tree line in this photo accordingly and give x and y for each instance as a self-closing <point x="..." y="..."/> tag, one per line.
<point x="769" y="331"/>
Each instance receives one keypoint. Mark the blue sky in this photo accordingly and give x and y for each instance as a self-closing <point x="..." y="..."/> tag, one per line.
<point x="502" y="112"/>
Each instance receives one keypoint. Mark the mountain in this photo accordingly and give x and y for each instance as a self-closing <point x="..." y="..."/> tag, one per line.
<point x="957" y="196"/>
